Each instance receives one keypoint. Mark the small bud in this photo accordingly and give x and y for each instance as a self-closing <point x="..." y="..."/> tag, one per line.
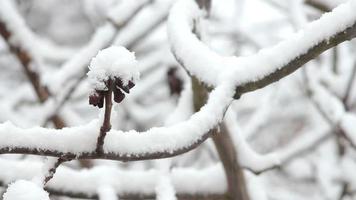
<point x="97" y="99"/>
<point x="125" y="88"/>
<point x="118" y="95"/>
<point x="131" y="84"/>
<point x="112" y="69"/>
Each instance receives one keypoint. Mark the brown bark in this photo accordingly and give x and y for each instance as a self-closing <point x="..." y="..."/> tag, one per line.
<point x="106" y="123"/>
<point x="226" y="149"/>
<point x="25" y="60"/>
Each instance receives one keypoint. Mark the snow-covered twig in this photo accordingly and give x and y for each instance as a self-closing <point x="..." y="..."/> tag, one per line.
<point x="113" y="70"/>
<point x="184" y="136"/>
<point x="209" y="181"/>
<point x="75" y="68"/>
<point x="24" y="51"/>
<point x="267" y="66"/>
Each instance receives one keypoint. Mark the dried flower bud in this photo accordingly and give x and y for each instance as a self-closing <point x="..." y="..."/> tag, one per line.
<point x="131" y="84"/>
<point x="113" y="69"/>
<point x="97" y="99"/>
<point x="118" y="95"/>
<point x="125" y="88"/>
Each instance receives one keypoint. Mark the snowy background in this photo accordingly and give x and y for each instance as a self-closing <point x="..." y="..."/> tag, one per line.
<point x="291" y="140"/>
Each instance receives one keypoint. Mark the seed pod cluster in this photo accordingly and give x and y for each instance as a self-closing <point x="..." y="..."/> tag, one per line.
<point x="118" y="89"/>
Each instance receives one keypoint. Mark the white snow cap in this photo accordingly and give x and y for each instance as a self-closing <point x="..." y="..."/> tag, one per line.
<point x="25" y="190"/>
<point x="113" y="62"/>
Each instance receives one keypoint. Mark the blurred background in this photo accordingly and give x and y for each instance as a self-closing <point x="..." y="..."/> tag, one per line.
<point x="297" y="114"/>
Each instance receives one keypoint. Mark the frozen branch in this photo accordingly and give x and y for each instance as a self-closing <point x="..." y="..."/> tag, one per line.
<point x="126" y="184"/>
<point x="118" y="18"/>
<point x="268" y="65"/>
<point x="12" y="26"/>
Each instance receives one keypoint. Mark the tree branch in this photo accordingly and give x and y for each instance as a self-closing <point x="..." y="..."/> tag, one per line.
<point x="347" y="34"/>
<point x="25" y="60"/>
<point x="106" y="123"/>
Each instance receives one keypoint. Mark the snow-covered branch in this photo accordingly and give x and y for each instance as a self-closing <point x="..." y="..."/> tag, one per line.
<point x="184" y="136"/>
<point x="171" y="112"/>
<point x="268" y="65"/>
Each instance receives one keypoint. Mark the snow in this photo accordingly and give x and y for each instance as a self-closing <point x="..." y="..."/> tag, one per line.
<point x="303" y="143"/>
<point x="181" y="128"/>
<point x="174" y="137"/>
<point x="329" y="104"/>
<point x="184" y="106"/>
<point x="110" y="63"/>
<point x="76" y="139"/>
<point x="165" y="190"/>
<point x="90" y="181"/>
<point x="82" y="139"/>
<point x="249" y="158"/>
<point x="76" y="66"/>
<point x="212" y="68"/>
<point x="144" y="23"/>
<point x="106" y="192"/>
<point x="119" y="15"/>
<point x="25" y="190"/>
<point x="116" y="61"/>
<point x="348" y="124"/>
<point x="197" y="58"/>
<point x="21" y="35"/>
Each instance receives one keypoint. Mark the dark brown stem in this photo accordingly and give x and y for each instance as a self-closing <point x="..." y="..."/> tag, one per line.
<point x="53" y="169"/>
<point x="106" y="122"/>
<point x="25" y="60"/>
<point x="235" y="178"/>
<point x="318" y="5"/>
<point x="298" y="61"/>
<point x="226" y="149"/>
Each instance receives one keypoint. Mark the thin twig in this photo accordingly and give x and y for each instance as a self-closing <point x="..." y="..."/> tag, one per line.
<point x="106" y="123"/>
<point x="349" y="87"/>
<point x="335" y="60"/>
<point x="53" y="169"/>
<point x="34" y="78"/>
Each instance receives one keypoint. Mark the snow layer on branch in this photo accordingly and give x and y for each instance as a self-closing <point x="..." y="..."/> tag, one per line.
<point x="207" y="65"/>
<point x="21" y="35"/>
<point x="348" y="124"/>
<point x="110" y="63"/>
<point x="195" y="56"/>
<point x="329" y="104"/>
<point x="165" y="189"/>
<point x="266" y="61"/>
<point x="121" y="14"/>
<point x="75" y="67"/>
<point x="102" y="38"/>
<point x="202" y="181"/>
<point x="174" y="137"/>
<point x="76" y="139"/>
<point x="82" y="139"/>
<point x="249" y="158"/>
<point x="144" y="23"/>
<point x="25" y="190"/>
<point x="106" y="192"/>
